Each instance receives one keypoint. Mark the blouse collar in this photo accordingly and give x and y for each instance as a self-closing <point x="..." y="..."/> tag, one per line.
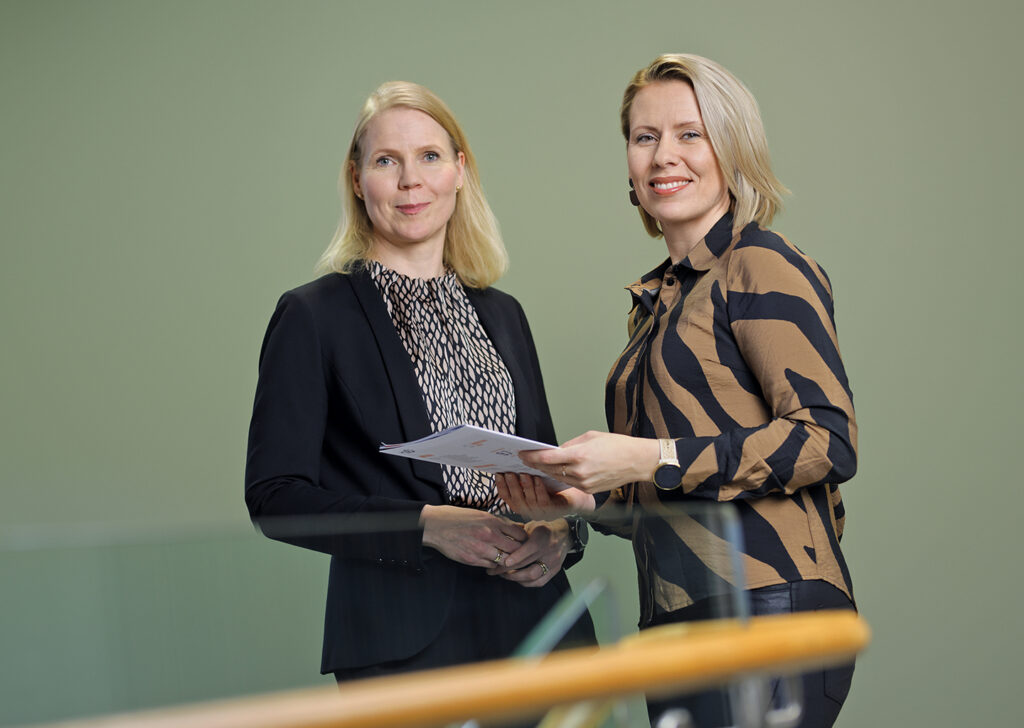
<point x="701" y="258"/>
<point x="421" y="288"/>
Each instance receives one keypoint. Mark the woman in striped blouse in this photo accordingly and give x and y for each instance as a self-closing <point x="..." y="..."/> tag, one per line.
<point x="731" y="387"/>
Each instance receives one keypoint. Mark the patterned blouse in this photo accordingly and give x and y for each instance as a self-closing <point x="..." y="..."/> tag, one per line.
<point x="462" y="378"/>
<point x="733" y="352"/>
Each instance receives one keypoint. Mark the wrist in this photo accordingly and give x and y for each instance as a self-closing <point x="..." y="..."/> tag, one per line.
<point x="647" y="459"/>
<point x="579" y="534"/>
<point x="424" y="522"/>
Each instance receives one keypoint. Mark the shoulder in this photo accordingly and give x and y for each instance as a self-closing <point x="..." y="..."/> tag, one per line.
<point x="493" y="296"/>
<point x="756" y="241"/>
<point x="322" y="292"/>
<point x="317" y="308"/>
<point x="329" y="297"/>
<point x="760" y="256"/>
<point x="493" y="299"/>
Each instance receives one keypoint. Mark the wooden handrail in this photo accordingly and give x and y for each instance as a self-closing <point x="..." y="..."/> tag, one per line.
<point x="673" y="658"/>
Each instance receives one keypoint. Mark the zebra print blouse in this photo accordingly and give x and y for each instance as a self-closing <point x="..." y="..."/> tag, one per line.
<point x="733" y="353"/>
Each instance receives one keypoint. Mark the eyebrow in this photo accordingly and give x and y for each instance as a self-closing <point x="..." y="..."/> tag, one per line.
<point x="680" y="125"/>
<point x="391" y="150"/>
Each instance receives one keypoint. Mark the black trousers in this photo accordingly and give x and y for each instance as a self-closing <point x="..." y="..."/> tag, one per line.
<point x="824" y="691"/>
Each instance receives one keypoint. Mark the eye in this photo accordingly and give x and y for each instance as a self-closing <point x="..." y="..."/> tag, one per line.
<point x="644" y="138"/>
<point x="690" y="135"/>
<point x="383" y="162"/>
<point x="432" y="157"/>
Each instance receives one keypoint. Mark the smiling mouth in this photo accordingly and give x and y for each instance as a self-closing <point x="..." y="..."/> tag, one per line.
<point x="412" y="209"/>
<point x="669" y="187"/>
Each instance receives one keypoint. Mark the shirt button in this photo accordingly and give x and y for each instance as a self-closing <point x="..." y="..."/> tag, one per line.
<point x="670" y="281"/>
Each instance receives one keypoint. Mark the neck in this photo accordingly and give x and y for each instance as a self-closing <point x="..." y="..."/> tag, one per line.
<point x="680" y="246"/>
<point x="422" y="260"/>
<point x="681" y="239"/>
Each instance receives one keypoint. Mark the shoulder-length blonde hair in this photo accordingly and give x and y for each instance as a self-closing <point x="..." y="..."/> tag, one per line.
<point x="473" y="246"/>
<point x="734" y="128"/>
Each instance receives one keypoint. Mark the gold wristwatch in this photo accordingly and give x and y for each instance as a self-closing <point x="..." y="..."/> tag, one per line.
<point x="668" y="475"/>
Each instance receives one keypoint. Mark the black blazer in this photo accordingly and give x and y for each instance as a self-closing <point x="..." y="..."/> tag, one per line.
<point x="335" y="381"/>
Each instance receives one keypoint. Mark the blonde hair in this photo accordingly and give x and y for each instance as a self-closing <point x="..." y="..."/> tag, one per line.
<point x="473" y="246"/>
<point x="734" y="128"/>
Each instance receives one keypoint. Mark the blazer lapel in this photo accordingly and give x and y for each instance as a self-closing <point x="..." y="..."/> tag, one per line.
<point x="395" y="359"/>
<point x="509" y="353"/>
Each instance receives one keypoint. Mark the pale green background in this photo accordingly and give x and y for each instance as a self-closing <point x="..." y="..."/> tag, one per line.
<point x="168" y="169"/>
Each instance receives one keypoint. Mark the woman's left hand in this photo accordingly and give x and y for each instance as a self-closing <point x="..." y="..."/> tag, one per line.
<point x="540" y="557"/>
<point x="596" y="462"/>
<point x="528" y="496"/>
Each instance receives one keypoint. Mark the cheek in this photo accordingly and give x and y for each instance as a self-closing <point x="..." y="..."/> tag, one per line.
<point x="633" y="163"/>
<point x="373" y="192"/>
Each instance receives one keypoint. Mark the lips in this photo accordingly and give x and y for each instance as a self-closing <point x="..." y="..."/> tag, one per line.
<point x="412" y="209"/>
<point x="668" y="185"/>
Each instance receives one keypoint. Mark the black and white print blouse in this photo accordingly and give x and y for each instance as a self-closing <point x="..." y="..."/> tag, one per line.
<point x="461" y="376"/>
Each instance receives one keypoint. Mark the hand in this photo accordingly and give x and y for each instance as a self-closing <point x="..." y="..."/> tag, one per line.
<point x="540" y="557"/>
<point x="469" y="536"/>
<point x="527" y="495"/>
<point x="596" y="462"/>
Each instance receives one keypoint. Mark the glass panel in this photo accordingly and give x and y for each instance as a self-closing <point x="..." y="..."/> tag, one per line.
<point x="112" y="618"/>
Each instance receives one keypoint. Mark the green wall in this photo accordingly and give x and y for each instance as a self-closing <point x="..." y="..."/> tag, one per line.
<point x="168" y="169"/>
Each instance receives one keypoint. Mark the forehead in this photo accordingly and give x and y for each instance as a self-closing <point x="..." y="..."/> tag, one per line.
<point x="403" y="127"/>
<point x="664" y="102"/>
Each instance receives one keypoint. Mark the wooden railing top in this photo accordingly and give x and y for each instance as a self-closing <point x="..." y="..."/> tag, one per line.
<point x="673" y="658"/>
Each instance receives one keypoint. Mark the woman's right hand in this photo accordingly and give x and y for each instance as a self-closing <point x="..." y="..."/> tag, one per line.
<point x="469" y="536"/>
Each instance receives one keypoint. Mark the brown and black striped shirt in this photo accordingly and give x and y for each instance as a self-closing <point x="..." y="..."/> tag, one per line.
<point x="733" y="353"/>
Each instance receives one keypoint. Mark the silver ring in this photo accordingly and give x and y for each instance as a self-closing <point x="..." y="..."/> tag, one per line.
<point x="501" y="554"/>
<point x="543" y="567"/>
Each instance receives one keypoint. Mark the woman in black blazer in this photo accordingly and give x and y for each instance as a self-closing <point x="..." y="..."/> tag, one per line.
<point x="402" y="338"/>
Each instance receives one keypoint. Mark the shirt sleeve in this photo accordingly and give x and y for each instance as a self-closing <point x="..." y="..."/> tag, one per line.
<point x="780" y="312"/>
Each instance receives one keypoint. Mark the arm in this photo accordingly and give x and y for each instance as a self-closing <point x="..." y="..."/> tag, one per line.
<point x="780" y="310"/>
<point x="283" y="485"/>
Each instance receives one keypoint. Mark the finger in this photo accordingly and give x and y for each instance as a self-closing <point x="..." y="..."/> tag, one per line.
<point x="541" y="494"/>
<point x="525" y="554"/>
<point x="501" y="487"/>
<point x="528" y="492"/>
<point x="497" y="558"/>
<point x="542" y="458"/>
<point x="533" y="575"/>
<point x="509" y="535"/>
<point x="511" y="492"/>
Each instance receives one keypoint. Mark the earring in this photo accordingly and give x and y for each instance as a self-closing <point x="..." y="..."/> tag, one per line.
<point x="458" y="188"/>
<point x="633" y="199"/>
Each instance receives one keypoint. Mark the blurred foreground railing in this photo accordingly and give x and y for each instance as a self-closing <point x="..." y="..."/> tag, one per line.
<point x="672" y="659"/>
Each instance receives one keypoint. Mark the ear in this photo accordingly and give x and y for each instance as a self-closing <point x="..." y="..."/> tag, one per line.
<point x="460" y="161"/>
<point x="356" y="187"/>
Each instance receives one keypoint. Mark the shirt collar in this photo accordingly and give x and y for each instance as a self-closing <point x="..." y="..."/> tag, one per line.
<point x="706" y="253"/>
<point x="645" y="291"/>
<point x="701" y="258"/>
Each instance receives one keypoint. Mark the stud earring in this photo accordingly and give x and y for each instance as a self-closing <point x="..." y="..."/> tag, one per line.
<point x="458" y="188"/>
<point x="633" y="199"/>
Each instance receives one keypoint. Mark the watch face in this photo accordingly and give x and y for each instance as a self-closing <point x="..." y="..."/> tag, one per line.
<point x="668" y="477"/>
<point x="582" y="532"/>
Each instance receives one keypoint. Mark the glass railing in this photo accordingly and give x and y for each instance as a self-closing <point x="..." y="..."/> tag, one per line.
<point x="111" y="618"/>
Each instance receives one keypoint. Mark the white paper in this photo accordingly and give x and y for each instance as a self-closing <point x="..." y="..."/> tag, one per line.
<point x="468" y="446"/>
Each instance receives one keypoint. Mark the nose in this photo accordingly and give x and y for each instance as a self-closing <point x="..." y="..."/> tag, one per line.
<point x="666" y="154"/>
<point x="409" y="177"/>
